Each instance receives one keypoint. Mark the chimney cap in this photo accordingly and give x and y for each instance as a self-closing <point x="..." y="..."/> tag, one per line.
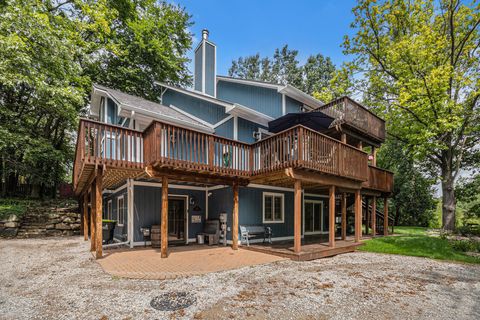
<point x="205" y="34"/>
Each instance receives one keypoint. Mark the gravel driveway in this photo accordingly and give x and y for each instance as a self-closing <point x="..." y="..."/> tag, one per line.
<point x="58" y="279"/>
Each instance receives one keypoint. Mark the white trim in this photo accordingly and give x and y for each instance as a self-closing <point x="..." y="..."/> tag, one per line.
<point x="262" y="186"/>
<point x="250" y="82"/>
<point x="235" y="127"/>
<point x="130" y="211"/>
<point x="206" y="203"/>
<point x="196" y="95"/>
<point x="218" y="187"/>
<point x="249" y="114"/>
<point x="191" y="116"/>
<point x="214" y="70"/>
<point x="273" y="195"/>
<point x="284" y="105"/>
<point x="273" y="239"/>
<point x="118" y="210"/>
<point x="301" y="96"/>
<point x="219" y="123"/>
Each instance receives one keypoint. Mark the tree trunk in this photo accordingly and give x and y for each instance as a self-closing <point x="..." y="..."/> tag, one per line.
<point x="448" y="201"/>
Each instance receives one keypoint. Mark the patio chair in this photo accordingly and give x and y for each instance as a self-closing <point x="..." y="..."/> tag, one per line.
<point x="244" y="235"/>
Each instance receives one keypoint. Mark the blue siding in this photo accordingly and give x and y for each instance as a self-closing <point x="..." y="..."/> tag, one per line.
<point x="120" y="231"/>
<point x="204" y="110"/>
<point x="246" y="129"/>
<point x="264" y="100"/>
<point x="148" y="204"/>
<point x="292" y="105"/>
<point x="198" y="69"/>
<point x="209" y="69"/>
<point x="225" y="129"/>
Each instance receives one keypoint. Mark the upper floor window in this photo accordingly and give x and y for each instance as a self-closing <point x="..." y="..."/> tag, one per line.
<point x="273" y="207"/>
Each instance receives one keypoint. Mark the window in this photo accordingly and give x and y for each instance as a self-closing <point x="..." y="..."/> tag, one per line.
<point x="273" y="207"/>
<point x="109" y="210"/>
<point x="121" y="211"/>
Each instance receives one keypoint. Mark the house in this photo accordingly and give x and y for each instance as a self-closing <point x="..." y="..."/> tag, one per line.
<point x="265" y="154"/>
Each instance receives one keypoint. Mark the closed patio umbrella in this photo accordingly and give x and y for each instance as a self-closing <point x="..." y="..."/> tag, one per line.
<point x="314" y="120"/>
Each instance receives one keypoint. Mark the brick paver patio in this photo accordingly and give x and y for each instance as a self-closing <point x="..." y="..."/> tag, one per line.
<point x="181" y="262"/>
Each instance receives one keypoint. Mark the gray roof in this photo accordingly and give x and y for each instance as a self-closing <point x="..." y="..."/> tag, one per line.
<point x="149" y="106"/>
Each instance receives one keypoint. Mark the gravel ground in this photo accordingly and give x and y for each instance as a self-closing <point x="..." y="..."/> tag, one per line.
<point x="58" y="279"/>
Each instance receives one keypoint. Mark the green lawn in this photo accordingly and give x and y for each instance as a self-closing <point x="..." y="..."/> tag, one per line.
<point x="414" y="241"/>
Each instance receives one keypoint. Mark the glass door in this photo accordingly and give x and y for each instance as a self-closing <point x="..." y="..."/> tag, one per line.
<point x="176" y="219"/>
<point x="313" y="216"/>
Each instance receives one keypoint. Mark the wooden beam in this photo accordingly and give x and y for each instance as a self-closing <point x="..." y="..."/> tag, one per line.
<point x="196" y="177"/>
<point x="385" y="216"/>
<point x="164" y="219"/>
<point x="360" y="145"/>
<point x="331" y="217"/>
<point x="358" y="216"/>
<point x="297" y="221"/>
<point x="98" y="214"/>
<point x="344" y="138"/>
<point x="374" y="156"/>
<point x="344" y="216"/>
<point x="318" y="178"/>
<point x="92" y="219"/>
<point x="235" y="217"/>
<point x="85" y="216"/>
<point x="374" y="216"/>
<point x="367" y="215"/>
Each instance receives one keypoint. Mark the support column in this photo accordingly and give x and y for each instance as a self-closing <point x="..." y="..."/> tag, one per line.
<point x="374" y="156"/>
<point x="331" y="217"/>
<point x="344" y="138"/>
<point x="92" y="218"/>
<point x="367" y="215"/>
<point x="85" y="216"/>
<point x="235" y="217"/>
<point x="344" y="216"/>
<point x="98" y="214"/>
<point x="374" y="216"/>
<point x="358" y="216"/>
<point x="385" y="216"/>
<point x="164" y="219"/>
<point x="297" y="225"/>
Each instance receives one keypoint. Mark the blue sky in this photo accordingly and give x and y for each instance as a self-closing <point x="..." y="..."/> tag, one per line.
<point x="245" y="27"/>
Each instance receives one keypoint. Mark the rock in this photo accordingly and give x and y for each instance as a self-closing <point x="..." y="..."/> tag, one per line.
<point x="72" y="215"/>
<point x="50" y="226"/>
<point x="13" y="218"/>
<point x="54" y="221"/>
<point x="62" y="226"/>
<point x="8" y="232"/>
<point x="11" y="224"/>
<point x="53" y="233"/>
<point x="53" y="216"/>
<point x="68" y="233"/>
<point x="67" y="220"/>
<point x="75" y="226"/>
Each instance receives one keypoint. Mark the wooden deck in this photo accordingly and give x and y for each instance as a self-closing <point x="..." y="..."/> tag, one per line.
<point x="164" y="148"/>
<point x="310" y="250"/>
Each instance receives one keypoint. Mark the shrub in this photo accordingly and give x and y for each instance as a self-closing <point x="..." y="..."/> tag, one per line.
<point x="466" y="245"/>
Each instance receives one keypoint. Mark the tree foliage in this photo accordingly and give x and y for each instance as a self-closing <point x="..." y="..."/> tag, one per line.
<point x="284" y="68"/>
<point x="52" y="52"/>
<point x="420" y="67"/>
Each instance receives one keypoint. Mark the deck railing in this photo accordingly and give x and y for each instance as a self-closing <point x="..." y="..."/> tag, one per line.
<point x="379" y="179"/>
<point x="355" y="115"/>
<point x="180" y="148"/>
<point x="100" y="143"/>
<point x="177" y="147"/>
<point x="303" y="147"/>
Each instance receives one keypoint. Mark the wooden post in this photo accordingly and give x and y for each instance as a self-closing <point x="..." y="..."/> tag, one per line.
<point x="235" y="217"/>
<point x="385" y="216"/>
<point x="374" y="156"/>
<point x="92" y="219"/>
<point x="331" y="217"/>
<point x="358" y="216"/>
<point x="85" y="216"/>
<point x="344" y="138"/>
<point x="374" y="216"/>
<point x="98" y="214"/>
<point x="344" y="216"/>
<point x="297" y="221"/>
<point x="164" y="219"/>
<point x="360" y="145"/>
<point x="367" y="215"/>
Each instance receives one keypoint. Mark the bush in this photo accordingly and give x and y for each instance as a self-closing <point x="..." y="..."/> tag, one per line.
<point x="469" y="230"/>
<point x="466" y="245"/>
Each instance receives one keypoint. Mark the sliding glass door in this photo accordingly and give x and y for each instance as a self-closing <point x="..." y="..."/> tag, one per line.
<point x="314" y="217"/>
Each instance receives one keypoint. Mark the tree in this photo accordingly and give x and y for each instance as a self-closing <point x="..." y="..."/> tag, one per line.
<point x="52" y="52"/>
<point x="420" y="64"/>
<point x="412" y="198"/>
<point x="284" y="68"/>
